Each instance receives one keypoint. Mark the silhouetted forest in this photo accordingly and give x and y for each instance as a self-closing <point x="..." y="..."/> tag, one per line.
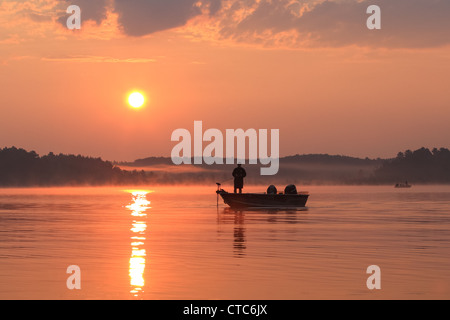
<point x="297" y="169"/>
<point x="19" y="167"/>
<point x="419" y="166"/>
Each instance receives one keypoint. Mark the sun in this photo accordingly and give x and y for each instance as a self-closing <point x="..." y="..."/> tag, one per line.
<point x="136" y="100"/>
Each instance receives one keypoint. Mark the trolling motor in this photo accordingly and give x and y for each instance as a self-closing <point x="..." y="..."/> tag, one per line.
<point x="218" y="191"/>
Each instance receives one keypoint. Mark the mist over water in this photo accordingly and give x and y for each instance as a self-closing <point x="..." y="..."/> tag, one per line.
<point x="175" y="243"/>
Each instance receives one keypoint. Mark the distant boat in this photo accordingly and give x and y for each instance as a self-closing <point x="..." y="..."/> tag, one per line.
<point x="403" y="185"/>
<point x="263" y="200"/>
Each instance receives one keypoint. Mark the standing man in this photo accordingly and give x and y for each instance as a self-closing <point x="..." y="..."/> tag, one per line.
<point x="239" y="175"/>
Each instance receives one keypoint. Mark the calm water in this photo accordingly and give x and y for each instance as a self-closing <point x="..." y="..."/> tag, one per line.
<point x="174" y="243"/>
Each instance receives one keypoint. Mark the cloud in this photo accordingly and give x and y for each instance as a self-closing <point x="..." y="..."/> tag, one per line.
<point x="314" y="23"/>
<point x="405" y="23"/>
<point x="215" y="6"/>
<point x="91" y="10"/>
<point x="141" y="17"/>
<point x="295" y="23"/>
<point x="26" y="20"/>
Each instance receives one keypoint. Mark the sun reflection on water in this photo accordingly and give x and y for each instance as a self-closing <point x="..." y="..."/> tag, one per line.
<point x="138" y="255"/>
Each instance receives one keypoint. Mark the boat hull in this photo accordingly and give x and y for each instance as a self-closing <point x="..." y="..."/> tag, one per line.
<point x="259" y="200"/>
<point x="402" y="186"/>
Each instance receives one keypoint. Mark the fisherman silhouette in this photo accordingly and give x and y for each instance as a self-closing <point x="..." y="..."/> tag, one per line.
<point x="239" y="175"/>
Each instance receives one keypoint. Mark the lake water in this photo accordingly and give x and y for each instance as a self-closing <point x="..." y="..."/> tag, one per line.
<point x="174" y="243"/>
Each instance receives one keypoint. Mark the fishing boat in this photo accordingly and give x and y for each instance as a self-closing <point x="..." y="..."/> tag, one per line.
<point x="403" y="185"/>
<point x="263" y="200"/>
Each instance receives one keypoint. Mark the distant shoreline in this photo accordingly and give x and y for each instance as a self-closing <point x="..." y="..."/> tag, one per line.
<point x="21" y="168"/>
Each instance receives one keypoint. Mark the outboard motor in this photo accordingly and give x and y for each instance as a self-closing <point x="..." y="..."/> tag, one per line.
<point x="290" y="189"/>
<point x="271" y="189"/>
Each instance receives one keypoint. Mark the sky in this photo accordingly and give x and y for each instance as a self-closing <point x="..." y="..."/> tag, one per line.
<point x="310" y="68"/>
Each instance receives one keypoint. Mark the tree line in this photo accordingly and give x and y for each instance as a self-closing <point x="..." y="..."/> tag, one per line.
<point x="420" y="166"/>
<point x="19" y="167"/>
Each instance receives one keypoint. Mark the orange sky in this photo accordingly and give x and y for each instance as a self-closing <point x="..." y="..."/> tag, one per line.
<point x="309" y="68"/>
